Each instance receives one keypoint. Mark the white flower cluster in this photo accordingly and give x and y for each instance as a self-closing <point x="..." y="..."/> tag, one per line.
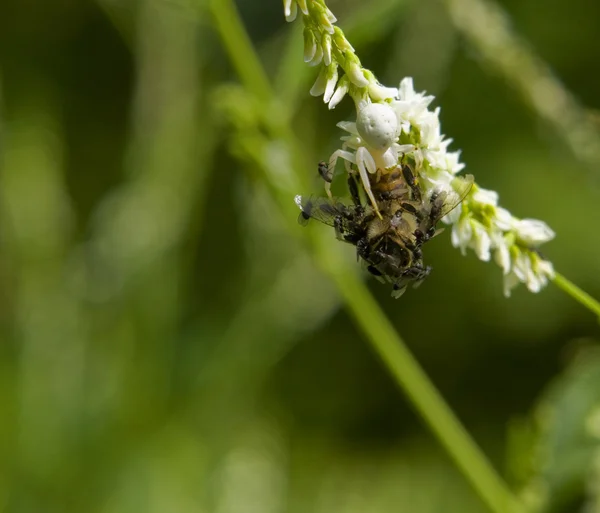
<point x="384" y="133"/>
<point x="394" y="126"/>
<point x="480" y="224"/>
<point x="326" y="45"/>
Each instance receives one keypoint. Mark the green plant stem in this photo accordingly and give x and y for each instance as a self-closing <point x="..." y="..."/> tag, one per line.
<point x="369" y="317"/>
<point x="577" y="294"/>
<point x="240" y="49"/>
<point x="419" y="389"/>
<point x="486" y="26"/>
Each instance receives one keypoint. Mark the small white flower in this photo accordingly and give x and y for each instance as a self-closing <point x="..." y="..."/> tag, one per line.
<point x="332" y="79"/>
<point x="320" y="84"/>
<point x="502" y="255"/>
<point x="481" y="242"/>
<point x="544" y="267"/>
<point x="503" y="219"/>
<point x="522" y="265"/>
<point x="290" y="10"/>
<point x="340" y="92"/>
<point x="341" y="42"/>
<point x="410" y="106"/>
<point x="532" y="232"/>
<point x="323" y="16"/>
<point x="330" y="16"/>
<point x="429" y="127"/>
<point x="379" y="92"/>
<point x="310" y="44"/>
<point x="406" y="89"/>
<point x="303" y="7"/>
<point x="317" y="57"/>
<point x="485" y="196"/>
<point x="453" y="216"/>
<point x="451" y="162"/>
<point x="534" y="282"/>
<point x="510" y="282"/>
<point x="355" y="73"/>
<point x="462" y="233"/>
<point x="326" y="44"/>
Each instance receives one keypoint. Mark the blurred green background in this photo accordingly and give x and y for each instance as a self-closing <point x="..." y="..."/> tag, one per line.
<point x="168" y="344"/>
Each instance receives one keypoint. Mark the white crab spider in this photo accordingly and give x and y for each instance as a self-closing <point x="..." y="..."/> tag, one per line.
<point x="373" y="138"/>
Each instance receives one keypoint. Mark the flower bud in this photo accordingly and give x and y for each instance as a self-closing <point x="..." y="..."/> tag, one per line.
<point x="533" y="232"/>
<point x="340" y="92"/>
<point x="326" y="44"/>
<point x="355" y="72"/>
<point x="310" y="44"/>
<point x="303" y="7"/>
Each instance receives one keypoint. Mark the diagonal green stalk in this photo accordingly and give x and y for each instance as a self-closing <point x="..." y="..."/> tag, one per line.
<point x="415" y="383"/>
<point x="577" y="294"/>
<point x="379" y="331"/>
<point x="486" y="26"/>
<point x="240" y="49"/>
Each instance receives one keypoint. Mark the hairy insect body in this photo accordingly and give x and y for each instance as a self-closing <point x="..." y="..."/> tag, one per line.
<point x="388" y="239"/>
<point x="390" y="185"/>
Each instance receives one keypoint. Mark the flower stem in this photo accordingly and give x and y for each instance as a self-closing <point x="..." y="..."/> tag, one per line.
<point x="577" y="294"/>
<point x="386" y="342"/>
<point x="239" y="48"/>
<point x="426" y="399"/>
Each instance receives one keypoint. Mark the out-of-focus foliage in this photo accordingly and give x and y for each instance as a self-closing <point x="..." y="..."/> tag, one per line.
<point x="565" y="448"/>
<point x="168" y="343"/>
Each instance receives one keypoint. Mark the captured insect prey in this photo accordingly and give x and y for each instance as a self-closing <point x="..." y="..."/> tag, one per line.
<point x="389" y="242"/>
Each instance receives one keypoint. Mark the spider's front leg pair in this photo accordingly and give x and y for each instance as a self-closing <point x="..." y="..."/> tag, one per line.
<point x="365" y="164"/>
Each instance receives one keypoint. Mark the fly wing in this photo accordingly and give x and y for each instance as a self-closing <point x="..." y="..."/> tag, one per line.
<point x="460" y="188"/>
<point x="348" y="221"/>
<point x="323" y="210"/>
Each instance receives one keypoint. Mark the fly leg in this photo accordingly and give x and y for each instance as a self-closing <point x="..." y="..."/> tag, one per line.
<point x="353" y="188"/>
<point x="411" y="181"/>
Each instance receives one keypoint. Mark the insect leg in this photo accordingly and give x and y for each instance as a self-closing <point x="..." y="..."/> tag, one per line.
<point x="411" y="181"/>
<point x="353" y="188"/>
<point x="325" y="171"/>
<point x="398" y="290"/>
<point x="363" y="249"/>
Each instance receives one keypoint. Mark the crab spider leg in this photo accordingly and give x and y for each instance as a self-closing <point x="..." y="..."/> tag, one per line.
<point x="339" y="154"/>
<point x="347" y="163"/>
<point x="366" y="164"/>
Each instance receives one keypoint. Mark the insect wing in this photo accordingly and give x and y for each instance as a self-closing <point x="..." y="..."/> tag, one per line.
<point x="461" y="187"/>
<point x="326" y="211"/>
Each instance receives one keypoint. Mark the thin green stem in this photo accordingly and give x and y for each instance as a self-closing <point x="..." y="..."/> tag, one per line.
<point x="424" y="396"/>
<point x="488" y="28"/>
<point x="379" y="331"/>
<point x="240" y="49"/>
<point x="577" y="294"/>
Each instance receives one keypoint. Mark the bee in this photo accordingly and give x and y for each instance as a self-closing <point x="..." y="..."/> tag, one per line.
<point x="389" y="240"/>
